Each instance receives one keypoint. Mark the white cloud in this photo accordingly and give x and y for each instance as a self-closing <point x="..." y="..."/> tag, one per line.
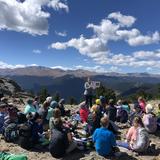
<point x="28" y="16"/>
<point x="58" y="46"/>
<point x="4" y="65"/>
<point x="62" y="34"/>
<point x="114" y="69"/>
<point x="98" y="69"/>
<point x="61" y="67"/>
<point x="144" y="40"/>
<point x="57" y="4"/>
<point x="96" y="47"/>
<point x="122" y="19"/>
<point x="152" y="55"/>
<point x="37" y="51"/>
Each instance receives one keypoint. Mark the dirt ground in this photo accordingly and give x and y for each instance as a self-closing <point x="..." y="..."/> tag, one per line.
<point x="43" y="153"/>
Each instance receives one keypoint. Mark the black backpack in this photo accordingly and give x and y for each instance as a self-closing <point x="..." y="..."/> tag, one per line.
<point x="21" y="118"/>
<point x="25" y="136"/>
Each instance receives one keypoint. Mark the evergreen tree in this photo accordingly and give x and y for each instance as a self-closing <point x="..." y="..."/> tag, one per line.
<point x="56" y="97"/>
<point x="72" y="101"/>
<point x="106" y="92"/>
<point x="43" y="94"/>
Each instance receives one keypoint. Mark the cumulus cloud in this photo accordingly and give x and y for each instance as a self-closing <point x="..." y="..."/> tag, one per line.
<point x="37" y="51"/>
<point x="4" y="65"/>
<point x="62" y="34"/>
<point x="122" y="19"/>
<point x="27" y="16"/>
<point x="57" y="4"/>
<point x="96" y="47"/>
<point x="98" y="69"/>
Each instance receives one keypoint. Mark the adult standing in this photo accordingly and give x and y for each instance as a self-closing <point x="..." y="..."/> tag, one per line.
<point x="88" y="93"/>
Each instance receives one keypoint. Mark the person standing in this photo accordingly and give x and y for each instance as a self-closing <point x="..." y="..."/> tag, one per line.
<point x="88" y="93"/>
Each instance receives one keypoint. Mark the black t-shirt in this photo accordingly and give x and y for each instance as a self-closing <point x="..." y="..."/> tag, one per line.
<point x="59" y="143"/>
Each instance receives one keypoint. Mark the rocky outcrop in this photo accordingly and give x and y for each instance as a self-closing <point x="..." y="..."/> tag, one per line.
<point x="9" y="87"/>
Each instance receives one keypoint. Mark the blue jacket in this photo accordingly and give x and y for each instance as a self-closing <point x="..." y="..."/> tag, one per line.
<point x="104" y="141"/>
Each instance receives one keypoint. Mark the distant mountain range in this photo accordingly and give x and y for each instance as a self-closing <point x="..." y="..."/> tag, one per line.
<point x="71" y="82"/>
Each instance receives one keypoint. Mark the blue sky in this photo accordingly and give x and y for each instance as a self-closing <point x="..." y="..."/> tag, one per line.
<point x="99" y="35"/>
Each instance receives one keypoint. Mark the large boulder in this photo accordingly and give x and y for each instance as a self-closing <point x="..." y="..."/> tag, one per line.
<point x="9" y="87"/>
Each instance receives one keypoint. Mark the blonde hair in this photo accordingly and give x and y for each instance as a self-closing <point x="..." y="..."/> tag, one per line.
<point x="105" y="121"/>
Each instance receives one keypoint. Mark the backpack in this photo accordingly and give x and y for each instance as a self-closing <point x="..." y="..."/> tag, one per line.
<point x="21" y="118"/>
<point x="25" y="134"/>
<point x="122" y="115"/>
<point x="11" y="133"/>
<point x="142" y="142"/>
<point x="150" y="123"/>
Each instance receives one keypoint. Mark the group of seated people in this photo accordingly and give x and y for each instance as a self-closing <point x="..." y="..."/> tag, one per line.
<point x="50" y="124"/>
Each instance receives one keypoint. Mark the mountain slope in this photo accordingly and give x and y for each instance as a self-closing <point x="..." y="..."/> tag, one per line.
<point x="71" y="82"/>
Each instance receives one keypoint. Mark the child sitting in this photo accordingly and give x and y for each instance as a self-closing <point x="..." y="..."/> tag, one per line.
<point x="104" y="139"/>
<point x="150" y="119"/>
<point x="61" y="140"/>
<point x="137" y="137"/>
<point x="84" y="112"/>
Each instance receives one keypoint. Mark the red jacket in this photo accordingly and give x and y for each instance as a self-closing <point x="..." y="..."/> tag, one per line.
<point x="84" y="114"/>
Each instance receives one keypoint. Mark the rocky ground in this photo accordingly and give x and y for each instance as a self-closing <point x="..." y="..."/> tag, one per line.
<point x="16" y="96"/>
<point x="43" y="153"/>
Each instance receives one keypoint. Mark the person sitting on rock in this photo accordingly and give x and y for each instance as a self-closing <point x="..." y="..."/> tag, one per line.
<point x="29" y="107"/>
<point x="51" y="108"/>
<point x="35" y="121"/>
<point x="103" y="104"/>
<point x="111" y="111"/>
<point x="61" y="140"/>
<point x="3" y="113"/>
<point x="136" y="112"/>
<point x="142" y="103"/>
<point x="61" y="107"/>
<point x="43" y="112"/>
<point x="93" y="122"/>
<point x="84" y="112"/>
<point x="56" y="114"/>
<point x="11" y="116"/>
<point x="150" y="119"/>
<point x="158" y="117"/>
<point x="36" y="103"/>
<point x="104" y="139"/>
<point x="122" y="112"/>
<point x="137" y="137"/>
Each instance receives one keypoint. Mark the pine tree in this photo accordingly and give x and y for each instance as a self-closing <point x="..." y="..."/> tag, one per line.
<point x="43" y="94"/>
<point x="106" y="92"/>
<point x="56" y="97"/>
